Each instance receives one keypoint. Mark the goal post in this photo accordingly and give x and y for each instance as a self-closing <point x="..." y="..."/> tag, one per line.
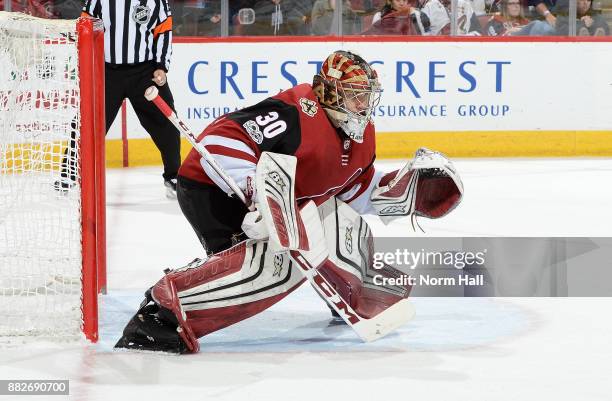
<point x="52" y="181"/>
<point x="93" y="200"/>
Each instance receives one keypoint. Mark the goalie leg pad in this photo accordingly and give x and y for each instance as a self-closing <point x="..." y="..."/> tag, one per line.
<point x="228" y="287"/>
<point x="366" y="300"/>
<point x="349" y="267"/>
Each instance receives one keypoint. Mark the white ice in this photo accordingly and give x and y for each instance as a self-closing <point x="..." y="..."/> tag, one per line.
<point x="454" y="349"/>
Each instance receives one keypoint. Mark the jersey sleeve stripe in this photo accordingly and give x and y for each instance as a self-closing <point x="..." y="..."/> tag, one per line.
<point x="228" y="143"/>
<point x="222" y="150"/>
<point x="237" y="169"/>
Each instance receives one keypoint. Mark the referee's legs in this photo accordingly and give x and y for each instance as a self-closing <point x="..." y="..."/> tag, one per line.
<point x="165" y="136"/>
<point x="114" y="94"/>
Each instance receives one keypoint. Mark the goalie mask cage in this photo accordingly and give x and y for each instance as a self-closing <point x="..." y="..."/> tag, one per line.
<point x="52" y="231"/>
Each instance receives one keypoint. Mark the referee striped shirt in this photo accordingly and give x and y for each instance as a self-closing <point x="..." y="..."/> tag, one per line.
<point x="134" y="30"/>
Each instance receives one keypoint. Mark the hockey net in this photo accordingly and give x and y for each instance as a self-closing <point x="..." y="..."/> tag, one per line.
<point x="52" y="240"/>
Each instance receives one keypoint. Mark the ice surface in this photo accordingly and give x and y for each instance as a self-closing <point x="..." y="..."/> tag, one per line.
<point x="455" y="348"/>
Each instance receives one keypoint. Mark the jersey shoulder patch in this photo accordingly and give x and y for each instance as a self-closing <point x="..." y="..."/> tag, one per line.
<point x="309" y="107"/>
<point x="272" y="124"/>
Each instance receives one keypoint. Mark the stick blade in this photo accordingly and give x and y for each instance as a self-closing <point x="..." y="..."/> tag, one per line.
<point x="385" y="322"/>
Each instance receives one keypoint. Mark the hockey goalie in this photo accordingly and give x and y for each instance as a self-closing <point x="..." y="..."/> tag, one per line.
<point x="303" y="164"/>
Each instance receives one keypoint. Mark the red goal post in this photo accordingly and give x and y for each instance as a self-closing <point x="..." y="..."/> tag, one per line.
<point x="93" y="189"/>
<point x="52" y="237"/>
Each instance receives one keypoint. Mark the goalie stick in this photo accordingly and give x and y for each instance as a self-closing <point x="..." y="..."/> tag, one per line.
<point x="367" y="329"/>
<point x="152" y="95"/>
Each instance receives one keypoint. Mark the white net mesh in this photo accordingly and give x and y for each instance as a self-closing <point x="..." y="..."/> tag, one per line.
<point x="40" y="223"/>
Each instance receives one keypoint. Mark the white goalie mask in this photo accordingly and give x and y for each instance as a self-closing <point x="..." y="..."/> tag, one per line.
<point x="348" y="90"/>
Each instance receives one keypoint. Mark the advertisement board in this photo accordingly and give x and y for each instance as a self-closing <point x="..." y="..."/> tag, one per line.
<point x="501" y="98"/>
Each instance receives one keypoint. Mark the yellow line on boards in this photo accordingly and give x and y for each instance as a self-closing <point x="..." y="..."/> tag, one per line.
<point x="402" y="145"/>
<point x="497" y="143"/>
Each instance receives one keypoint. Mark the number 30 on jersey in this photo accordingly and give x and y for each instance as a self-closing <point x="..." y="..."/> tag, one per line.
<point x="265" y="125"/>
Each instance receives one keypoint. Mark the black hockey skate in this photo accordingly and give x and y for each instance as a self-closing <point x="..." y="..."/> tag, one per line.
<point x="152" y="329"/>
<point x="170" y="188"/>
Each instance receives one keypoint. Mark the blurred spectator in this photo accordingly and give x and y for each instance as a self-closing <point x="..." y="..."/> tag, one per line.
<point x="396" y="23"/>
<point x="367" y="7"/>
<point x="479" y="7"/>
<point x="32" y="7"/>
<point x="510" y="20"/>
<point x="556" y="19"/>
<point x="302" y="15"/>
<point x="467" y="18"/>
<point x="198" y="17"/>
<point x="279" y="17"/>
<point x="495" y="6"/>
<point x="433" y="18"/>
<point x="67" y="9"/>
<point x="588" y="23"/>
<point x="389" y="7"/>
<point x="64" y="9"/>
<point x="540" y="28"/>
<point x="323" y="17"/>
<point x="543" y="9"/>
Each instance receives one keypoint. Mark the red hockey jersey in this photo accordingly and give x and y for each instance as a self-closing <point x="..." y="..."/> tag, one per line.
<point x="292" y="123"/>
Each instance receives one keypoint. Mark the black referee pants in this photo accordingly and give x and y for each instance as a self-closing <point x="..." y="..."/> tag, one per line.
<point x="130" y="82"/>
